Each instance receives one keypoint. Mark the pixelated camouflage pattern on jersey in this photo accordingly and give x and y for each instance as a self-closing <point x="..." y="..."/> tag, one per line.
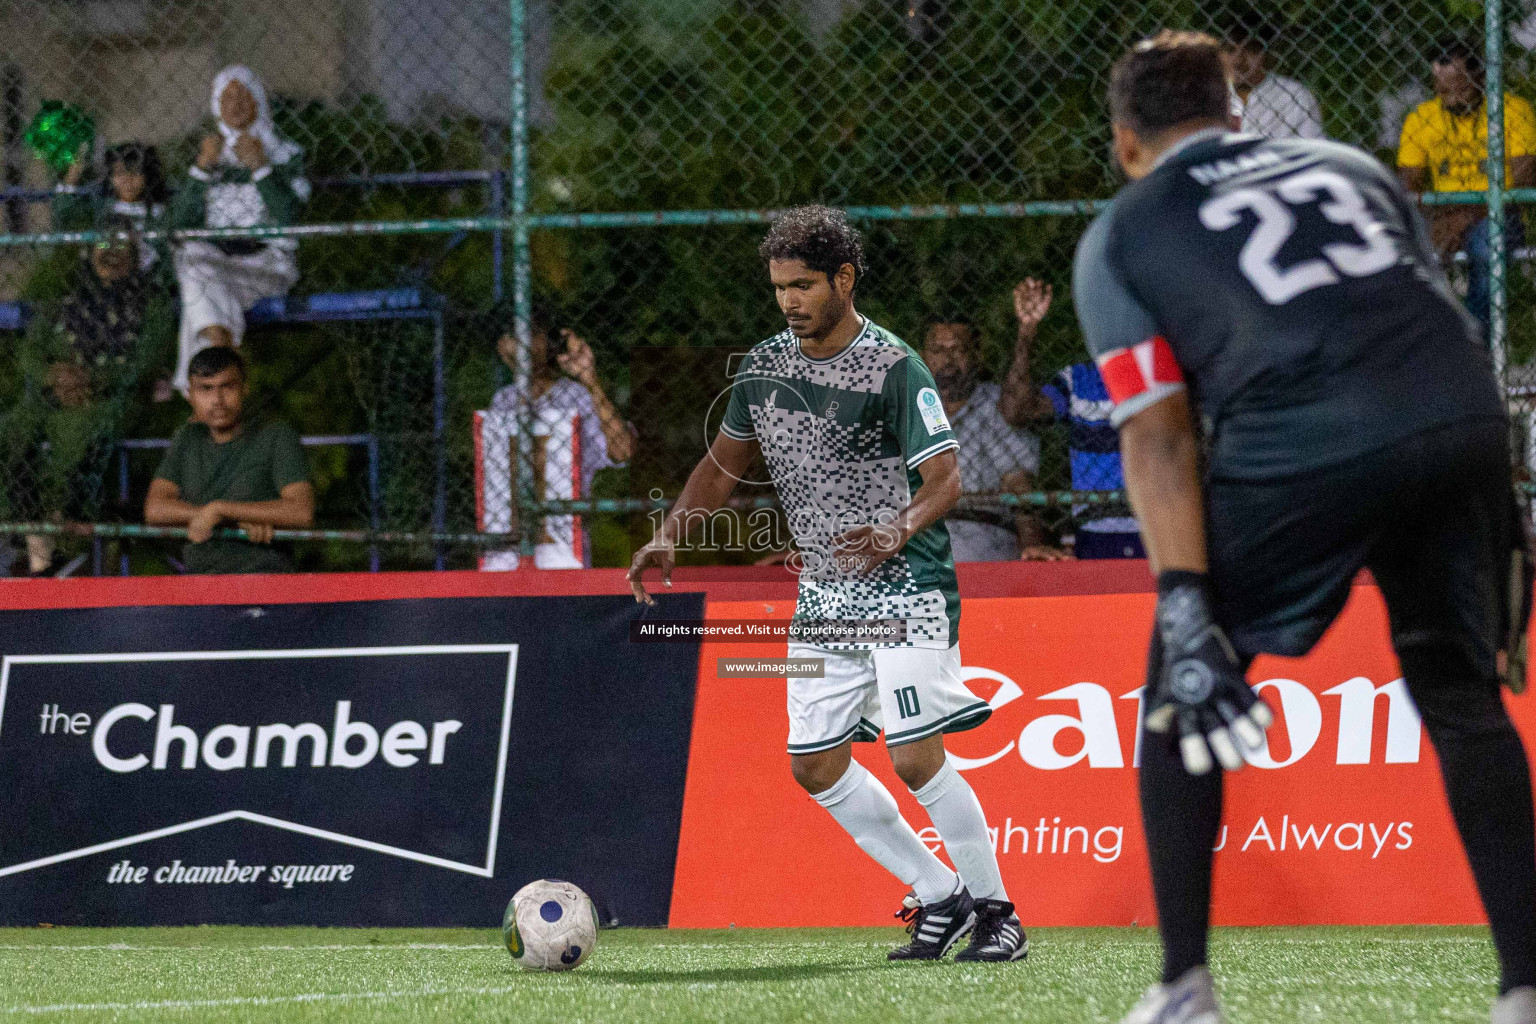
<point x="842" y="438"/>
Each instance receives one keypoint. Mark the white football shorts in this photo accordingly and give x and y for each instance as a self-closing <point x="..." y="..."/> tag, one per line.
<point x="909" y="692"/>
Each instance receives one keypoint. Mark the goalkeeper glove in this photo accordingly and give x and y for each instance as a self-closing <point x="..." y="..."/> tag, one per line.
<point x="1200" y="687"/>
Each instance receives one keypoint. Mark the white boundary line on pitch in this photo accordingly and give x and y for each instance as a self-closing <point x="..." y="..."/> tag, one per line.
<point x="203" y="1004"/>
<point x="123" y="947"/>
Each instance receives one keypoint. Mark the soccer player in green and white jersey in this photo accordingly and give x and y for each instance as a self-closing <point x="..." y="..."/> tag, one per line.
<point x="852" y="428"/>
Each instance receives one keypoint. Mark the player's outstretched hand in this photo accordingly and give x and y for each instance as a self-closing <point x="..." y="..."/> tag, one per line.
<point x="1201" y="689"/>
<point x="660" y="553"/>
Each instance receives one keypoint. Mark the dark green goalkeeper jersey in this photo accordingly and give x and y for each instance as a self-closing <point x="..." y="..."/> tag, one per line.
<point x="843" y="438"/>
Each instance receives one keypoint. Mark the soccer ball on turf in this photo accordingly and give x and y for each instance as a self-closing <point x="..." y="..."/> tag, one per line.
<point x="550" y="925"/>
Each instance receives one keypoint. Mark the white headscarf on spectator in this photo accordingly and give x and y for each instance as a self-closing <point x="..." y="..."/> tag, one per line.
<point x="278" y="149"/>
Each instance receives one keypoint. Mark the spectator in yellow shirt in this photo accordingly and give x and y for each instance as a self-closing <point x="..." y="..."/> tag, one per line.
<point x="1444" y="148"/>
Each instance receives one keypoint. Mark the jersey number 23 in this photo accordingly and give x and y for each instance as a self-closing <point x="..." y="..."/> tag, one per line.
<point x="1339" y="201"/>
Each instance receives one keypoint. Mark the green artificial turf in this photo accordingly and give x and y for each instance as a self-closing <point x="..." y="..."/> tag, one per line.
<point x="1072" y="976"/>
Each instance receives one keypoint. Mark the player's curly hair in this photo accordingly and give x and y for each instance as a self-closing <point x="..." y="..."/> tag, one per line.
<point x="1172" y="78"/>
<point x="818" y="236"/>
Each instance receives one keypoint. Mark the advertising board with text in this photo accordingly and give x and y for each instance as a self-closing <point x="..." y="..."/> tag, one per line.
<point x="1341" y="820"/>
<point x="407" y="762"/>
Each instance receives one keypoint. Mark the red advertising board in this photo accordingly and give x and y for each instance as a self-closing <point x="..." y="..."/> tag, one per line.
<point x="1341" y="822"/>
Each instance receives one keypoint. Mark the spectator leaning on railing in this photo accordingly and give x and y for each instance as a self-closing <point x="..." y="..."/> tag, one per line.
<point x="245" y="175"/>
<point x="1444" y="148"/>
<point x="221" y="470"/>
<point x="995" y="458"/>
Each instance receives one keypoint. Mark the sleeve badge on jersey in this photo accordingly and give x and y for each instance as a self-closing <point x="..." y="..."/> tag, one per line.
<point x="931" y="409"/>
<point x="1142" y="369"/>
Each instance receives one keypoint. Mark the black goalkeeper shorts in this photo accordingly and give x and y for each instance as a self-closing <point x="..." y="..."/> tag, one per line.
<point x="1431" y="516"/>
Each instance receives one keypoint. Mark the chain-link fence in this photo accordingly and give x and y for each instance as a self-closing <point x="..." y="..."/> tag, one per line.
<point x="466" y="182"/>
<point x="323" y="184"/>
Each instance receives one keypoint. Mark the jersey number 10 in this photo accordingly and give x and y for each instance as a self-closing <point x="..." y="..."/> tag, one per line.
<point x="1341" y="203"/>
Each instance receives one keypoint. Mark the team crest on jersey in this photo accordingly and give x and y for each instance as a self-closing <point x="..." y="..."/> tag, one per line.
<point x="932" y="410"/>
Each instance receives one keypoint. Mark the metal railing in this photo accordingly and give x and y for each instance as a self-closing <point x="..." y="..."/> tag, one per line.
<point x="367" y="442"/>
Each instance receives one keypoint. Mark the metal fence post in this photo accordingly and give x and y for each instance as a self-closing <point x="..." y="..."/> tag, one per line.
<point x="375" y="522"/>
<point x="1498" y="307"/>
<point x="439" y="441"/>
<point x="522" y="279"/>
<point x="498" y="237"/>
<point x="122" y="494"/>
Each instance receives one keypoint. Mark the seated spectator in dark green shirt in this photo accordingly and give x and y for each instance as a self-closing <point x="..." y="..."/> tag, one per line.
<point x="221" y="470"/>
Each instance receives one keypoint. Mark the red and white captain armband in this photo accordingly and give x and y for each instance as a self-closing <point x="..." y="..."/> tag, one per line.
<point x="1140" y="376"/>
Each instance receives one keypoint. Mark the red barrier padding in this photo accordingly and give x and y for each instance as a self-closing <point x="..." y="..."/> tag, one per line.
<point x="1345" y="823"/>
<point x="721" y="583"/>
<point x="383" y="586"/>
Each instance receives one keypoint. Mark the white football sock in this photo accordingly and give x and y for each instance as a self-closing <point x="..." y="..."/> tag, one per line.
<point x="869" y="813"/>
<point x="956" y="813"/>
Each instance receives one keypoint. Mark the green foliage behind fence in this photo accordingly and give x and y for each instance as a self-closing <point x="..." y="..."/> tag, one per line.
<point x="651" y="106"/>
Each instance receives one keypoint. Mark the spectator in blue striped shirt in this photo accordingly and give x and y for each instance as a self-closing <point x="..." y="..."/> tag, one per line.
<point x="1077" y="397"/>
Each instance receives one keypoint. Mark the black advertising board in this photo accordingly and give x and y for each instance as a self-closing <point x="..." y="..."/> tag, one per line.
<point x="392" y="763"/>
